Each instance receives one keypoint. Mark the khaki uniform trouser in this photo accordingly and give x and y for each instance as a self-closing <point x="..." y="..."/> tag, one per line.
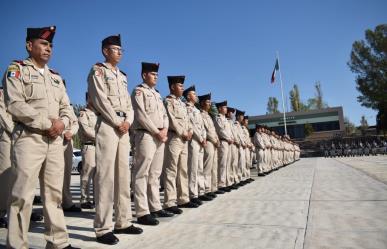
<point x="195" y="169"/>
<point x="176" y="171"/>
<point x="223" y="160"/>
<point x="214" y="175"/>
<point x="67" y="199"/>
<point x="267" y="159"/>
<point x="209" y="165"/>
<point x="148" y="164"/>
<point x="88" y="171"/>
<point x="241" y="163"/>
<point x="232" y="170"/>
<point x="260" y="160"/>
<point x="247" y="164"/>
<point x="112" y="179"/>
<point x="7" y="173"/>
<point x="36" y="156"/>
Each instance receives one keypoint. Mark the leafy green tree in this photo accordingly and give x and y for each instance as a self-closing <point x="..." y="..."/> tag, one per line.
<point x="350" y="127"/>
<point x="369" y="62"/>
<point x="308" y="129"/>
<point x="363" y="125"/>
<point x="317" y="103"/>
<point x="272" y="105"/>
<point x="295" y="101"/>
<point x="76" y="140"/>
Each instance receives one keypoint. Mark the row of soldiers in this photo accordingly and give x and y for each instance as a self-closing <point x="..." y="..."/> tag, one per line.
<point x="354" y="147"/>
<point x="273" y="151"/>
<point x="196" y="156"/>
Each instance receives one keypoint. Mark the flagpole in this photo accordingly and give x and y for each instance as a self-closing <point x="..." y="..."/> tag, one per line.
<point x="282" y="93"/>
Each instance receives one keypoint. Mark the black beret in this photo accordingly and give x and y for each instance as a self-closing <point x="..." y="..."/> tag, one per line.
<point x="149" y="67"/>
<point x="220" y="104"/>
<point x="175" y="79"/>
<point x="189" y="89"/>
<point x="230" y="109"/>
<point x="112" y="40"/>
<point x="204" y="97"/>
<point x="45" y="33"/>
<point x="239" y="112"/>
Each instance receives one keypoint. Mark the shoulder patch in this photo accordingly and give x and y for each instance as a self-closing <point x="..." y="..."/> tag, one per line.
<point x="123" y="72"/>
<point x="98" y="72"/>
<point x="20" y="62"/>
<point x="54" y="72"/>
<point x="99" y="64"/>
<point x="13" y="71"/>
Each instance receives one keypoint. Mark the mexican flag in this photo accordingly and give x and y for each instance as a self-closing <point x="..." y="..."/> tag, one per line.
<point x="276" y="68"/>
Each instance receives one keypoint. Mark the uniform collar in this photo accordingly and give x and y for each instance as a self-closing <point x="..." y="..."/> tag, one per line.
<point x="29" y="62"/>
<point x="110" y="67"/>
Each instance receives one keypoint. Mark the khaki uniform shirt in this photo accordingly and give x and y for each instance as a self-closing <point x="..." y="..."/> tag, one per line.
<point x="149" y="109"/>
<point x="34" y="98"/>
<point x="237" y="133"/>
<point x="6" y="123"/>
<point x="199" y="131"/>
<point x="178" y="116"/>
<point x="223" y="128"/>
<point x="259" y="141"/>
<point x="87" y="120"/>
<point x="73" y="125"/>
<point x="108" y="92"/>
<point x="210" y="128"/>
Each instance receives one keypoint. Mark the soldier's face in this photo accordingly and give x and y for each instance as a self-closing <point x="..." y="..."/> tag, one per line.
<point x="113" y="54"/>
<point x="40" y="50"/>
<point x="191" y="96"/>
<point x="177" y="89"/>
<point x="150" y="78"/>
<point x="206" y="105"/>
<point x="223" y="110"/>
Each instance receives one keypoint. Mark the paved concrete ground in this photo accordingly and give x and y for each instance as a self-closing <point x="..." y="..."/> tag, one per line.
<point x="314" y="203"/>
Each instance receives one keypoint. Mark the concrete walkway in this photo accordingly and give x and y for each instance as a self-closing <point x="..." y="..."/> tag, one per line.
<point x="314" y="203"/>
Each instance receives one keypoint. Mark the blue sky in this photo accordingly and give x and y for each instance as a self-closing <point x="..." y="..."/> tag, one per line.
<point x="224" y="47"/>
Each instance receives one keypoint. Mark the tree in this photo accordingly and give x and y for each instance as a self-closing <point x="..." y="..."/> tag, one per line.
<point x="350" y="127"/>
<point x="363" y="125"/>
<point x="295" y="101"/>
<point x="369" y="62"/>
<point x="317" y="103"/>
<point x="308" y="129"/>
<point x="76" y="140"/>
<point x="272" y="105"/>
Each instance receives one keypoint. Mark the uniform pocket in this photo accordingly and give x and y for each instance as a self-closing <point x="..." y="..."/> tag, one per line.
<point x="150" y="105"/>
<point x="112" y="88"/>
<point x="34" y="90"/>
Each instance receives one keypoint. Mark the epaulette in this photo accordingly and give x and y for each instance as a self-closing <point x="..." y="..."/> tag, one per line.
<point x="123" y="73"/>
<point x="157" y="90"/>
<point x="100" y="64"/>
<point x="20" y="62"/>
<point x="169" y="97"/>
<point x="140" y="85"/>
<point x="54" y="72"/>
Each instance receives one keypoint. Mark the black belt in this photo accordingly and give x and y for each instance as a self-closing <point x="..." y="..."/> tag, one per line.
<point x="121" y="114"/>
<point x="144" y="130"/>
<point x="89" y="143"/>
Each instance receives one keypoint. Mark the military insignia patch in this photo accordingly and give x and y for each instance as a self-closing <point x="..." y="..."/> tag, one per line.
<point x="13" y="74"/>
<point x="138" y="92"/>
<point x="98" y="72"/>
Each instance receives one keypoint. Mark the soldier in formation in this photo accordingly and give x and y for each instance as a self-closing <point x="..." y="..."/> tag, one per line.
<point x="196" y="151"/>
